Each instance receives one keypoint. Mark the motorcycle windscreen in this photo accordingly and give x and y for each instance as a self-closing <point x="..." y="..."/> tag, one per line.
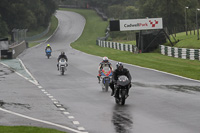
<point x="123" y="80"/>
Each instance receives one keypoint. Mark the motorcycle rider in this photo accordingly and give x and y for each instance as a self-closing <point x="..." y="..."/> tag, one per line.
<point x="48" y="47"/>
<point x="120" y="70"/>
<point x="104" y="63"/>
<point x="62" y="55"/>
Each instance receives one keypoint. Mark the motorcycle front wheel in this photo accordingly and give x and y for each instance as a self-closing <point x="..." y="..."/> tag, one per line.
<point x="62" y="70"/>
<point x="123" y="97"/>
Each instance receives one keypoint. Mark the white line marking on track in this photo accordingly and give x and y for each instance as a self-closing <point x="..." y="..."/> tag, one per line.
<point x="76" y="123"/>
<point x="71" y="117"/>
<point x="53" y="99"/>
<point x="40" y="87"/>
<point x="42" y="121"/>
<point x="55" y="102"/>
<point x="66" y="113"/>
<point x="35" y="81"/>
<point x="62" y="109"/>
<point x="81" y="128"/>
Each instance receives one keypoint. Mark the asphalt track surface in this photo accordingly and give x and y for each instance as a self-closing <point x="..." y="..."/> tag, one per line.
<point x="158" y="102"/>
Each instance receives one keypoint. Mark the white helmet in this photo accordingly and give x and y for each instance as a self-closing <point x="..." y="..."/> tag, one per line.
<point x="105" y="59"/>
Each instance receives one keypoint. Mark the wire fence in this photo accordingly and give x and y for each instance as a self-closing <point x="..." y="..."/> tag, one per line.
<point x="38" y="36"/>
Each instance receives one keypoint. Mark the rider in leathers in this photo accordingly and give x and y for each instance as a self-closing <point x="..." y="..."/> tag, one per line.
<point x="120" y="70"/>
<point x="104" y="63"/>
<point x="48" y="47"/>
<point x="62" y="55"/>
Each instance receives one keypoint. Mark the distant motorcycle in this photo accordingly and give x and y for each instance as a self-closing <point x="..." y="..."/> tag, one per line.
<point x="121" y="89"/>
<point x="106" y="77"/>
<point x="48" y="53"/>
<point x="62" y="66"/>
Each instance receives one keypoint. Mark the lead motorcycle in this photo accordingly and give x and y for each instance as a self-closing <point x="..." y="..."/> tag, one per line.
<point x="48" y="53"/>
<point x="106" y="78"/>
<point x="62" y="66"/>
<point x="121" y="89"/>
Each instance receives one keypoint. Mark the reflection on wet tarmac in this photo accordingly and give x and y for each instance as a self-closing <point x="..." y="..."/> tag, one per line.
<point x="16" y="105"/>
<point x="121" y="119"/>
<point x="182" y="88"/>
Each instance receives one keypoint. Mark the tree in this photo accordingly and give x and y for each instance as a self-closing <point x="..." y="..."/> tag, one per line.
<point x="26" y="14"/>
<point x="3" y="28"/>
<point x="130" y="12"/>
<point x="116" y="11"/>
<point x="172" y="11"/>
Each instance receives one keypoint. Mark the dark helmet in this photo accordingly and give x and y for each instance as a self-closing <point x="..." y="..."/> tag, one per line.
<point x="119" y="66"/>
<point x="62" y="53"/>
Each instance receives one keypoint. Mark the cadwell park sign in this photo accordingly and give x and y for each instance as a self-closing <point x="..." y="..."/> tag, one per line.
<point x="136" y="24"/>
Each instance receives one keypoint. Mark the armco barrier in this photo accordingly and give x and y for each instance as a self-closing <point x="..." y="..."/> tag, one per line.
<point x="184" y="53"/>
<point x="119" y="46"/>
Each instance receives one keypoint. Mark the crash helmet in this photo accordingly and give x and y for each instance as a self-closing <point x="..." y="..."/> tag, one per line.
<point x="105" y="59"/>
<point x="48" y="45"/>
<point x="119" y="66"/>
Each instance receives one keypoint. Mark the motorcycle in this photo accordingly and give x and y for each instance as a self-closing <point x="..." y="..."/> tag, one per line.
<point x="48" y="53"/>
<point x="62" y="66"/>
<point x="106" y="77"/>
<point x="121" y="89"/>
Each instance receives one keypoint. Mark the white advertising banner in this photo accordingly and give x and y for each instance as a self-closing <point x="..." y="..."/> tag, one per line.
<point x="141" y="24"/>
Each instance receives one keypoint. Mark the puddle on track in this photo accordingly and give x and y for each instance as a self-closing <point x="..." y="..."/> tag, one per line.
<point x="15" y="105"/>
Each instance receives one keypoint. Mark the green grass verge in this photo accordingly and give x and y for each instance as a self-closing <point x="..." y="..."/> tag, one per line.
<point x="128" y="42"/>
<point x="54" y="24"/>
<point x="26" y="129"/>
<point x="95" y="28"/>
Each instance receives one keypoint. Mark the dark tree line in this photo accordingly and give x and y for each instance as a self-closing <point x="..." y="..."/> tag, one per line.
<point x="25" y="14"/>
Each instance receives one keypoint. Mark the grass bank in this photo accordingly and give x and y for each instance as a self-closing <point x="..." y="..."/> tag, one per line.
<point x="26" y="129"/>
<point x="95" y="28"/>
<point x="187" y="41"/>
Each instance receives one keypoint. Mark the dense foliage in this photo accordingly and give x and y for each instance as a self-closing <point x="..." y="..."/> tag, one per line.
<point x="173" y="12"/>
<point x="25" y="14"/>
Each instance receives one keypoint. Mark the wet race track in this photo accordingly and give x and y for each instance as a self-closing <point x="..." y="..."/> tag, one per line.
<point x="157" y="103"/>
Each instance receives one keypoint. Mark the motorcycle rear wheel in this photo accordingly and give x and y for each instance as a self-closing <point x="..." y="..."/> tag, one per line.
<point x="106" y="85"/>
